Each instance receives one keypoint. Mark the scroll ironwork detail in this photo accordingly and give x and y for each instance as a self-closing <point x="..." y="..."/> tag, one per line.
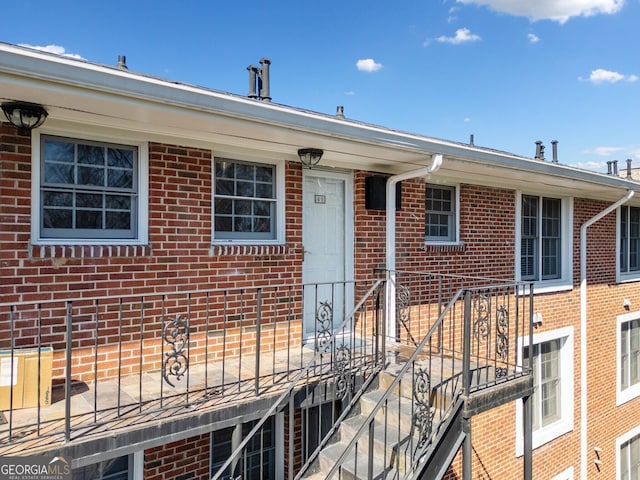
<point x="175" y="333"/>
<point x="342" y="361"/>
<point x="481" y="310"/>
<point x="422" y="417"/>
<point x="502" y="338"/>
<point x="324" y="325"/>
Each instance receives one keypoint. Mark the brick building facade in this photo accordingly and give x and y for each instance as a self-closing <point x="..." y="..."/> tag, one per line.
<point x="180" y="245"/>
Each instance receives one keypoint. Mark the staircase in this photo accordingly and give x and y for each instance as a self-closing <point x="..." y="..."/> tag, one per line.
<point x="409" y="418"/>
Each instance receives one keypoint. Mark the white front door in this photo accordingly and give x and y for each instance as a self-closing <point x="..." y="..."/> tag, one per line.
<point x="327" y="238"/>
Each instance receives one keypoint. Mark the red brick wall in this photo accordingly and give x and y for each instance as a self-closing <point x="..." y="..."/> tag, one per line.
<point x="186" y="459"/>
<point x="487" y="233"/>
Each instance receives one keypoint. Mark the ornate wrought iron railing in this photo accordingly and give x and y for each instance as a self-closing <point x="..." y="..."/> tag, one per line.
<point x="467" y="343"/>
<point x="347" y="356"/>
<point x="107" y="363"/>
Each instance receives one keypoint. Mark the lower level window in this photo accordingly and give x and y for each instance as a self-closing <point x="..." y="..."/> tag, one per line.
<point x="630" y="459"/>
<point x="551" y="357"/>
<point x="258" y="460"/>
<point x="115" y="469"/>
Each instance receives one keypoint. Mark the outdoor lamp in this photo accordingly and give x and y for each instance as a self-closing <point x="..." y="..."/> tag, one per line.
<point x="24" y="115"/>
<point x="310" y="157"/>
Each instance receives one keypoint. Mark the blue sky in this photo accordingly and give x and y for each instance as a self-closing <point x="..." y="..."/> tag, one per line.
<point x="510" y="72"/>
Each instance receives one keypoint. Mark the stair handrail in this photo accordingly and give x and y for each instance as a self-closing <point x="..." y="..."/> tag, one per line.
<point x="303" y="371"/>
<point x="394" y="383"/>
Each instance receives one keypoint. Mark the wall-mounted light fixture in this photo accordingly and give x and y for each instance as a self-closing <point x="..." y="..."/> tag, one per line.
<point x="310" y="157"/>
<point x="25" y="115"/>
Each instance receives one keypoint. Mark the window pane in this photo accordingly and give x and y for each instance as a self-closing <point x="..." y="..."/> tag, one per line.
<point x="90" y="176"/>
<point x="90" y="155"/>
<point x="61" y="173"/>
<point x="119" y="178"/>
<point x="245" y="189"/>
<point x="57" y="218"/>
<point x="118" y="220"/>
<point x="88" y="200"/>
<point x="91" y="219"/>
<point x="118" y="157"/>
<point x="58" y="151"/>
<point x="224" y="187"/>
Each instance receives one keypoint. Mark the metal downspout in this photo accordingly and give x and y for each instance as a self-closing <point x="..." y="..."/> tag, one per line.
<point x="583" y="328"/>
<point x="436" y="163"/>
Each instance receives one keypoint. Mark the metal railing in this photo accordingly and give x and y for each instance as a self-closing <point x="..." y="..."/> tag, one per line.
<point x="347" y="358"/>
<point x="468" y="330"/>
<point x="111" y="362"/>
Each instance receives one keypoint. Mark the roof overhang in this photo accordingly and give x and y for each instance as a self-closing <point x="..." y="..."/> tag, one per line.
<point x="78" y="92"/>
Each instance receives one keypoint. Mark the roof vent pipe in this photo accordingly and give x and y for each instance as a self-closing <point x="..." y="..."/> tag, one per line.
<point x="615" y="167"/>
<point x="122" y="63"/>
<point x="253" y="71"/>
<point x="265" y="93"/>
<point x="554" y="146"/>
<point x="471" y="139"/>
<point x="259" y="81"/>
<point x="609" y="167"/>
<point x="539" y="150"/>
<point x="340" y="112"/>
<point x="629" y="167"/>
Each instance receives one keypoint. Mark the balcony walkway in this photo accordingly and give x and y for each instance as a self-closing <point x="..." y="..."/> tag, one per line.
<point x="108" y="407"/>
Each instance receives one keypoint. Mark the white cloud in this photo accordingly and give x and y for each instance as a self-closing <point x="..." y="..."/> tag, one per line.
<point x="556" y="10"/>
<point x="467" y="120"/>
<point x="604" y="151"/>
<point x="368" y="65"/>
<point x="57" y="49"/>
<point x="533" y="38"/>
<point x="591" y="165"/>
<point x="349" y="93"/>
<point x="463" y="35"/>
<point x="600" y="75"/>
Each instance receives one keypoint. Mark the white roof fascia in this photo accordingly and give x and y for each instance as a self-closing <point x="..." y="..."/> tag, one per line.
<point x="80" y="74"/>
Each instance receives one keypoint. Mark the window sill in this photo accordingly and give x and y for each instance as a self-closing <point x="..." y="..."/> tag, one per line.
<point x="88" y="251"/>
<point x="444" y="247"/>
<point x="545" y="435"/>
<point x="628" y="394"/>
<point x="628" y="277"/>
<point x="218" y="250"/>
<point x="542" y="287"/>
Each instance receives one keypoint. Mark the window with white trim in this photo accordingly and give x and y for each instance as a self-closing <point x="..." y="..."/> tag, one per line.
<point x="544" y="240"/>
<point x="127" y="467"/>
<point x="629" y="241"/>
<point x="552" y="401"/>
<point x="628" y="454"/>
<point x="628" y="371"/>
<point x="88" y="191"/>
<point x="440" y="214"/>
<point x="245" y="201"/>
<point x="259" y="457"/>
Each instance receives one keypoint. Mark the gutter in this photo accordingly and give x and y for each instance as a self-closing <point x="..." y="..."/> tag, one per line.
<point x="583" y="328"/>
<point x="390" y="244"/>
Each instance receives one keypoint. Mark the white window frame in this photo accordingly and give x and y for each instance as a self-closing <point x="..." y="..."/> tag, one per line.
<point x="630" y="276"/>
<point x="456" y="214"/>
<point x="280" y="204"/>
<point x="141" y="236"/>
<point x="619" y="441"/>
<point x="633" y="391"/>
<point x="565" y="282"/>
<point x="565" y="423"/>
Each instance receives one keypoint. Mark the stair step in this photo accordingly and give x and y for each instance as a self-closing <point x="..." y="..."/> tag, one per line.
<point x="441" y="391"/>
<point x="350" y="469"/>
<point x="391" y="446"/>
